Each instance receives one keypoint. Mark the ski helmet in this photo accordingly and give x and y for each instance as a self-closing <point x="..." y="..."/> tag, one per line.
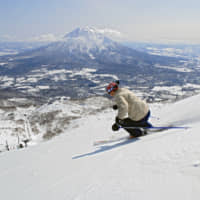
<point x="111" y="87"/>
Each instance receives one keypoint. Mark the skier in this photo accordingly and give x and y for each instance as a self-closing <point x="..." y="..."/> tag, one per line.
<point x="132" y="111"/>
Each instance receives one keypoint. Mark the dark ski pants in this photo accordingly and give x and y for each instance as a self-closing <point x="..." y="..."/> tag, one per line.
<point x="136" y="132"/>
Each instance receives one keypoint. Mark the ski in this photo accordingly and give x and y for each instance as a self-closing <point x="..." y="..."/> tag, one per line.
<point x="157" y="128"/>
<point x="150" y="130"/>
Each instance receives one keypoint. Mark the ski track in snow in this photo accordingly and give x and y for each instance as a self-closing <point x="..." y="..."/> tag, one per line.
<point x="163" y="165"/>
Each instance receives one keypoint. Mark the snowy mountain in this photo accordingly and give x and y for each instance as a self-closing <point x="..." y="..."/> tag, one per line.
<point x="84" y="62"/>
<point x="163" y="165"/>
<point x="87" y="46"/>
<point x="82" y="44"/>
<point x="88" y="38"/>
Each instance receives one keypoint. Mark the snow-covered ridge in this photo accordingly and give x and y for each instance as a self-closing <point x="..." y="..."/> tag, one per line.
<point x="184" y="112"/>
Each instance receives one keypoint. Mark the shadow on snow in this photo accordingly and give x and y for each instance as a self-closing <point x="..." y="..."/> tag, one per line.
<point x="104" y="148"/>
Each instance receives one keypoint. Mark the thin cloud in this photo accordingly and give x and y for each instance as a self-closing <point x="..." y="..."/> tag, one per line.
<point x="45" y="38"/>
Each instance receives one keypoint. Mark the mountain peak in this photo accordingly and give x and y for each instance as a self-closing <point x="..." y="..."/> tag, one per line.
<point x="87" y="39"/>
<point x="84" y="32"/>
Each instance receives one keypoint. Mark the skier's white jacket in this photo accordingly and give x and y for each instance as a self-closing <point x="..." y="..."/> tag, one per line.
<point x="129" y="104"/>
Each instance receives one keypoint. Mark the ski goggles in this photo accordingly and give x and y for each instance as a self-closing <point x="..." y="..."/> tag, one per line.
<point x="110" y="90"/>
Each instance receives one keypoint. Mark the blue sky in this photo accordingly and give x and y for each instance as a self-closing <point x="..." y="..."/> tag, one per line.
<point x="137" y="20"/>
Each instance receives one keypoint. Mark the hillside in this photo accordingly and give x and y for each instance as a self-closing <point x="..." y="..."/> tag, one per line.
<point x="163" y="166"/>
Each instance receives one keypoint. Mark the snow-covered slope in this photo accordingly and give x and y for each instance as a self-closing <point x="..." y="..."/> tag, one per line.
<point x="163" y="165"/>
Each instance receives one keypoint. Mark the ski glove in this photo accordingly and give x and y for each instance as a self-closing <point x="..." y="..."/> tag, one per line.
<point x="115" y="127"/>
<point x="115" y="107"/>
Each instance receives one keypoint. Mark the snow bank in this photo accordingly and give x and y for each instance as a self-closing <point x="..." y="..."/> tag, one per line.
<point x="184" y="112"/>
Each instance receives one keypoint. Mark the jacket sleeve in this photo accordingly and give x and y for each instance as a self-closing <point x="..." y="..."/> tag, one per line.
<point x="122" y="107"/>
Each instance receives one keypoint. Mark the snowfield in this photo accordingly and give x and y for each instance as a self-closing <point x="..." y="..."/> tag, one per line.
<point x="164" y="165"/>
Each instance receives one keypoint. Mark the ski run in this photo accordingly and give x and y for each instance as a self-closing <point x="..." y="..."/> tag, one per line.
<point x="160" y="166"/>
